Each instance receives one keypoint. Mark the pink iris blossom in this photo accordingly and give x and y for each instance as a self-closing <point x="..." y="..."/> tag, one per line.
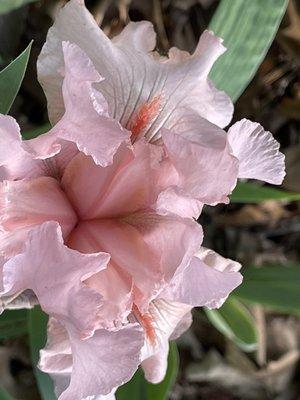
<point x="98" y="215"/>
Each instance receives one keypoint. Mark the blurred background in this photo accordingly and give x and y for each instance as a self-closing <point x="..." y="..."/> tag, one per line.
<point x="248" y="350"/>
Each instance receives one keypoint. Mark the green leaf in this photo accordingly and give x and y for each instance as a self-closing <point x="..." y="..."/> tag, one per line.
<point x="248" y="29"/>
<point x="33" y="133"/>
<point x="274" y="286"/>
<point x="11" y="78"/>
<point x="38" y="337"/>
<point x="139" y="389"/>
<point x="13" y="323"/>
<point x="246" y="192"/>
<point x="235" y="322"/>
<point x="4" y="395"/>
<point x="9" y="5"/>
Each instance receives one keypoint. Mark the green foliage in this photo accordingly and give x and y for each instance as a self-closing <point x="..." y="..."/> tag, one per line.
<point x="37" y="338"/>
<point x="9" y="5"/>
<point x="235" y="322"/>
<point x="36" y="132"/>
<point x="13" y="323"/>
<point x="139" y="389"/>
<point x="11" y="78"/>
<point x="248" y="29"/>
<point x="246" y="192"/>
<point x="4" y="395"/>
<point x="274" y="286"/>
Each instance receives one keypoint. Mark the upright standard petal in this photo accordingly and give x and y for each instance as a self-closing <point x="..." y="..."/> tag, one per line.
<point x="85" y="121"/>
<point x="257" y="151"/>
<point x="55" y="274"/>
<point x="134" y="77"/>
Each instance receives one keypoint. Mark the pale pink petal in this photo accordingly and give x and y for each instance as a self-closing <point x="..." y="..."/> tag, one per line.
<point x="18" y="301"/>
<point x="128" y="251"/>
<point x="56" y="358"/>
<point x="29" y="203"/>
<point x="104" y="361"/>
<point x="200" y="285"/>
<point x="169" y="201"/>
<point x="147" y="246"/>
<point x="114" y="283"/>
<point x="86" y="121"/>
<point x="182" y="326"/>
<point x="15" y="162"/>
<point x="10" y="139"/>
<point x="216" y="261"/>
<point x="12" y="243"/>
<point x="126" y="186"/>
<point x="155" y="366"/>
<point x="165" y="317"/>
<point x="133" y="75"/>
<point x="55" y="274"/>
<point x="257" y="151"/>
<point x="207" y="172"/>
<point x="174" y="240"/>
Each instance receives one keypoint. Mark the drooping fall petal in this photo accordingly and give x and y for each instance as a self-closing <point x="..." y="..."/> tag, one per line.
<point x="207" y="172"/>
<point x="93" y="366"/>
<point x="55" y="274"/>
<point x="201" y="285"/>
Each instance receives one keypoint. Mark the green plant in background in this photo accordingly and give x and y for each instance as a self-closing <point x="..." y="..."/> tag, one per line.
<point x="9" y="5"/>
<point x="248" y="28"/>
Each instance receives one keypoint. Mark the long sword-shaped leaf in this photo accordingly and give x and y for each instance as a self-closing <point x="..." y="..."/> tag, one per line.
<point x="246" y="192"/>
<point x="11" y="78"/>
<point x="13" y="323"/>
<point x="235" y="322"/>
<point x="248" y="28"/>
<point x="274" y="286"/>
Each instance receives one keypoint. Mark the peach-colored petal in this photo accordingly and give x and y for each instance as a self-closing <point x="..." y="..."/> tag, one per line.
<point x="126" y="186"/>
<point x="133" y="75"/>
<point x="257" y="151"/>
<point x="24" y="204"/>
<point x="127" y="248"/>
<point x="55" y="274"/>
